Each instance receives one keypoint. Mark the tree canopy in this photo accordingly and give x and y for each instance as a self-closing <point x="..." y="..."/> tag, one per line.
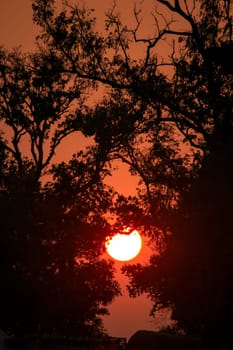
<point x="54" y="278"/>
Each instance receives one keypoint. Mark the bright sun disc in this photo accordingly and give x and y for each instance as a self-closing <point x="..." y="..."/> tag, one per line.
<point x="124" y="246"/>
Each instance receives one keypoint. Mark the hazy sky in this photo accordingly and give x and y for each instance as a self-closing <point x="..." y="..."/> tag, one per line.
<point x="16" y="29"/>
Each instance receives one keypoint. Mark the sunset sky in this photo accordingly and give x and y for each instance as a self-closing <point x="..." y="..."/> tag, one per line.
<point x="16" y="29"/>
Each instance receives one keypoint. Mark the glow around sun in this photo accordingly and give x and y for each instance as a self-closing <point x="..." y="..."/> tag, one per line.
<point x="124" y="246"/>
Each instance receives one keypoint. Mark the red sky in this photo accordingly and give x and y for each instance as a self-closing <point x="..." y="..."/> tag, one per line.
<point x="16" y="29"/>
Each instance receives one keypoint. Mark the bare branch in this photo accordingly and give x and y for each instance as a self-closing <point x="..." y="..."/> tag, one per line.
<point x="194" y="33"/>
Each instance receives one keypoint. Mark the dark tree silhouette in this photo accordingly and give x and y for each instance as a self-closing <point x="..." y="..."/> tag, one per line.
<point x="53" y="278"/>
<point x="37" y="105"/>
<point x="193" y="274"/>
<point x="85" y="54"/>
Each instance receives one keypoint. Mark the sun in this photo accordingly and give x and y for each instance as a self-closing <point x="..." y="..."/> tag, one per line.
<point x="124" y="246"/>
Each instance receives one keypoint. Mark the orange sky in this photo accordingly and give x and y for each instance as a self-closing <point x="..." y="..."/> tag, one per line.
<point x="16" y="29"/>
